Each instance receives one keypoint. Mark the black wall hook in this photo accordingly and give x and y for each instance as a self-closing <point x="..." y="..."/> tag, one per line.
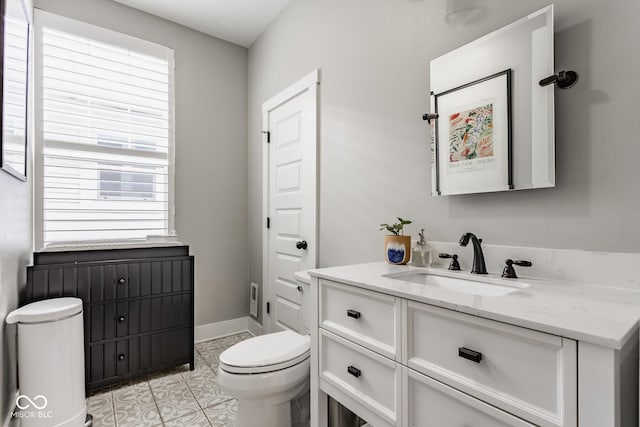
<point x="564" y="79"/>
<point x="430" y="116"/>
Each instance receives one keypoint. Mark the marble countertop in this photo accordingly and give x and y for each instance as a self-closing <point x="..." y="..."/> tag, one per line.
<point x="601" y="315"/>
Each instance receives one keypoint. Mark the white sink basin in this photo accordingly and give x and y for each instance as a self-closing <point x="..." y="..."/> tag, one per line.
<point x="485" y="286"/>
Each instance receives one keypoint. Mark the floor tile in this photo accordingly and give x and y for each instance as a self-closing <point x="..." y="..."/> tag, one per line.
<point x="174" y="400"/>
<point x="202" y="374"/>
<point x="133" y="392"/>
<point x="134" y="415"/>
<point x="134" y="405"/>
<point x="213" y="362"/>
<point x="222" y="414"/>
<point x="207" y="345"/>
<point x="207" y="392"/>
<point x="100" y="402"/>
<point x="104" y="419"/>
<point x="164" y="378"/>
<point x="195" y="419"/>
<point x="100" y="406"/>
<point x="100" y="390"/>
<point x="227" y="342"/>
<point x="204" y="385"/>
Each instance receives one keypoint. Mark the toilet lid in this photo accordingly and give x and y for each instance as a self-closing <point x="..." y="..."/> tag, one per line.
<point x="266" y="353"/>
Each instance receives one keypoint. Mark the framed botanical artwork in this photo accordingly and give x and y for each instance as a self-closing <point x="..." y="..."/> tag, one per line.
<point x="473" y="137"/>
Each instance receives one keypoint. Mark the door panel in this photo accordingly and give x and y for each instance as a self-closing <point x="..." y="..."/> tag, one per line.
<point x="291" y="204"/>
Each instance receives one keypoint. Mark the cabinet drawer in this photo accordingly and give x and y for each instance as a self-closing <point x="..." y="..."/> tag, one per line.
<point x="368" y="318"/>
<point x="116" y="358"/>
<point x="120" y="319"/>
<point x="529" y="374"/>
<point x="124" y="358"/>
<point x="368" y="378"/>
<point x="429" y="403"/>
<point x="120" y="280"/>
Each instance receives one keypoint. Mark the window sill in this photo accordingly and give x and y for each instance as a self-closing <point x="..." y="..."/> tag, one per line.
<point x="155" y="241"/>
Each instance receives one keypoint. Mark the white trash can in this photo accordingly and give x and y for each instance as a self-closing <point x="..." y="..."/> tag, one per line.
<point x="50" y="363"/>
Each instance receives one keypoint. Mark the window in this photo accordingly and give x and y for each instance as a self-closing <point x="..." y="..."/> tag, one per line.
<point x="116" y="184"/>
<point x="104" y="134"/>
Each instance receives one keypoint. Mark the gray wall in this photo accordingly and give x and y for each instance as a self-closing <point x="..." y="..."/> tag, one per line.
<point x="15" y="254"/>
<point x="374" y="59"/>
<point x="211" y="148"/>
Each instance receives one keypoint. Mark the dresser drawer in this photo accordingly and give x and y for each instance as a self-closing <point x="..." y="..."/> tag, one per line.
<point x="135" y="316"/>
<point x="120" y="359"/>
<point x="117" y="358"/>
<point x="529" y="374"/>
<point x="429" y="403"/>
<point x="121" y="280"/>
<point x="368" y="318"/>
<point x="368" y="378"/>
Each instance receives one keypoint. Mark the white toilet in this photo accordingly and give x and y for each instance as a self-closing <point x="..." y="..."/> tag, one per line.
<point x="265" y="373"/>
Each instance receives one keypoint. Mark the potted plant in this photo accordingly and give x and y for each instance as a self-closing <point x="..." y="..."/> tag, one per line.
<point x="397" y="247"/>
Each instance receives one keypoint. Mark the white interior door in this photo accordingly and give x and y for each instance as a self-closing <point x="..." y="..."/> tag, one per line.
<point x="290" y="241"/>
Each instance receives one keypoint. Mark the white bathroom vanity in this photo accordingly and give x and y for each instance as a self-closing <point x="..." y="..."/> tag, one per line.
<point x="403" y="346"/>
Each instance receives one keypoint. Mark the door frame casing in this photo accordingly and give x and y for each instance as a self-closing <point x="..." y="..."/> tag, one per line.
<point x="308" y="83"/>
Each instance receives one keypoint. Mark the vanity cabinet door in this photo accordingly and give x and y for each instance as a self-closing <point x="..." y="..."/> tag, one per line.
<point x="368" y="318"/>
<point x="429" y="403"/>
<point x="530" y="374"/>
<point x="371" y="380"/>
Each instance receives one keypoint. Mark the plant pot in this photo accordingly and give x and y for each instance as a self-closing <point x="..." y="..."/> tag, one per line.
<point x="397" y="249"/>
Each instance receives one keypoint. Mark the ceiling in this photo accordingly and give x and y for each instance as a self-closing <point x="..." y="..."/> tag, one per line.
<point x="237" y="21"/>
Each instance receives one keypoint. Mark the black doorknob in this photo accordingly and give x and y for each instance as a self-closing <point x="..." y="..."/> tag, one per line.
<point x="121" y="319"/>
<point x="122" y="281"/>
<point x="302" y="244"/>
<point x="121" y="357"/>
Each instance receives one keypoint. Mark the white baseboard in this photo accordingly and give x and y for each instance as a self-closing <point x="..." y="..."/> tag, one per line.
<point x="228" y="327"/>
<point x="254" y="327"/>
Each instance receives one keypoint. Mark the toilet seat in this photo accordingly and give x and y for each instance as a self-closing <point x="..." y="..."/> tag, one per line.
<point x="266" y="353"/>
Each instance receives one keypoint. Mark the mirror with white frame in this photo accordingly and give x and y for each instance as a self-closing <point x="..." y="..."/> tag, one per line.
<point x="13" y="108"/>
<point x="494" y="129"/>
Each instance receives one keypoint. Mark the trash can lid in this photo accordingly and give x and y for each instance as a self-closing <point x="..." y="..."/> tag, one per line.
<point x="46" y="310"/>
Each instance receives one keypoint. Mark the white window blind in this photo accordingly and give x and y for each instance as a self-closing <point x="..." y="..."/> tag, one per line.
<point x="106" y="133"/>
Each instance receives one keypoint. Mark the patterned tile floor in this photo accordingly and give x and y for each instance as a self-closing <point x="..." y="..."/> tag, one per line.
<point x="174" y="398"/>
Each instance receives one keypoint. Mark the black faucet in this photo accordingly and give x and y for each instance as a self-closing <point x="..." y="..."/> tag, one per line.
<point x="479" y="266"/>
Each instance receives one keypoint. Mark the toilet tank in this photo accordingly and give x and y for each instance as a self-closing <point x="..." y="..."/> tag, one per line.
<point x="304" y="280"/>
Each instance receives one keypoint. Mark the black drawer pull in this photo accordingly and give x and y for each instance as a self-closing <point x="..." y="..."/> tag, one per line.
<point x="354" y="371"/>
<point x="465" y="353"/>
<point x="122" y="281"/>
<point x="121" y="357"/>
<point x="353" y="313"/>
<point x="121" y="319"/>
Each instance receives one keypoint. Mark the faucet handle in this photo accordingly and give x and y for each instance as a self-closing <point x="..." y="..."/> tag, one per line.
<point x="455" y="265"/>
<point x="509" y="272"/>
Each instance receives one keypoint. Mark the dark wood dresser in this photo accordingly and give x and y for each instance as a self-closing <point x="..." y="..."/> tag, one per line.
<point x="138" y="306"/>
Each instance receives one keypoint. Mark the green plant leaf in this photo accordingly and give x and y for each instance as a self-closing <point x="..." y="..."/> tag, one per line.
<point x="395" y="229"/>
